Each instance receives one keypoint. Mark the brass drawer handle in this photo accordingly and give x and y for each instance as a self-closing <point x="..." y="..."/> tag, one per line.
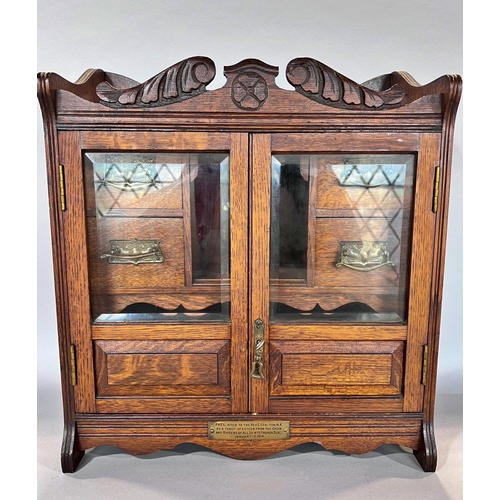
<point x="257" y="370"/>
<point x="134" y="252"/>
<point x="363" y="255"/>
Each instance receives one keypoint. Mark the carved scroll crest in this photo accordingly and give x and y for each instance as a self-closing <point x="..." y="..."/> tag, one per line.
<point x="324" y="85"/>
<point x="179" y="82"/>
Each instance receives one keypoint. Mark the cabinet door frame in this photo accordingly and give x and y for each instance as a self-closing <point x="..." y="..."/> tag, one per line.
<point x="415" y="333"/>
<point x="81" y="333"/>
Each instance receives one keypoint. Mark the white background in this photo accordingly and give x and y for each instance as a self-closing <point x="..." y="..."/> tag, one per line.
<point x="360" y="39"/>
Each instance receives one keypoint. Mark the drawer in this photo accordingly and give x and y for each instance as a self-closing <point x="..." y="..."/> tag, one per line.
<point x="344" y="368"/>
<point x="120" y="186"/>
<point x="376" y="263"/>
<point x="341" y="194"/>
<point x="124" y="248"/>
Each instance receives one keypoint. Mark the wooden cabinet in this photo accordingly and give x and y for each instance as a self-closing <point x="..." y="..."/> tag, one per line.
<point x="248" y="268"/>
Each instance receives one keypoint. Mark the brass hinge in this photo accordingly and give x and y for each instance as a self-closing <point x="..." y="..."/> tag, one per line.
<point x="72" y="351"/>
<point x="425" y="363"/>
<point x="62" y="191"/>
<point x="437" y="179"/>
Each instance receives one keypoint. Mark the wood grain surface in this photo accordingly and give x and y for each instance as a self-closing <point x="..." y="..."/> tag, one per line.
<point x="348" y="385"/>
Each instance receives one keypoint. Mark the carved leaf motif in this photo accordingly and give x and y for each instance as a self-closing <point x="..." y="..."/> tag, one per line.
<point x="322" y="84"/>
<point x="184" y="80"/>
<point x="372" y="98"/>
<point x="331" y="89"/>
<point x="352" y="91"/>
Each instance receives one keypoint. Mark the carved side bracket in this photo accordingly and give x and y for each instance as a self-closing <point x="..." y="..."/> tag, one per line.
<point x="324" y="85"/>
<point x="179" y="82"/>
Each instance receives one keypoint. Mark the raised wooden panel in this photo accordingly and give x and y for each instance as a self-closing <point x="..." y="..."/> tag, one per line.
<point x="175" y="369"/>
<point x="162" y="368"/>
<point x="336" y="368"/>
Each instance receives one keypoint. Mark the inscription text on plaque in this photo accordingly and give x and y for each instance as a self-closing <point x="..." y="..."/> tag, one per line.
<point x="235" y="430"/>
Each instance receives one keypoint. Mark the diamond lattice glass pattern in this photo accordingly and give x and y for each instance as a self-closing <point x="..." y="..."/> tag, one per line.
<point x="116" y="180"/>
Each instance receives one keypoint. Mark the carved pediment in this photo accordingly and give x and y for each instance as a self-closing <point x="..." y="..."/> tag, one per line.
<point x="251" y="87"/>
<point x="249" y="82"/>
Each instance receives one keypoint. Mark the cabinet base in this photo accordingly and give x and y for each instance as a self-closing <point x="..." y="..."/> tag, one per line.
<point x="71" y="453"/>
<point x="144" y="434"/>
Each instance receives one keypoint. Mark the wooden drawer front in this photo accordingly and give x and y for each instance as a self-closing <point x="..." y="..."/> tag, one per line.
<point x="130" y="184"/>
<point x="336" y="368"/>
<point x="169" y="273"/>
<point x="329" y="234"/>
<point x="158" y="202"/>
<point x="356" y="199"/>
<point x="162" y="368"/>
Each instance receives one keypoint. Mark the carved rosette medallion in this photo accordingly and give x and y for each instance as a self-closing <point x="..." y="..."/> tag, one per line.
<point x="249" y="91"/>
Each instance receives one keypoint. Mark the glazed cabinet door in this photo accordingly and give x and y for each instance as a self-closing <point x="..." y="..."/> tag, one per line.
<point x="341" y="241"/>
<point x="156" y="285"/>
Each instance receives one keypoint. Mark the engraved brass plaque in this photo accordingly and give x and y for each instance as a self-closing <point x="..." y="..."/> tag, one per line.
<point x="236" y="430"/>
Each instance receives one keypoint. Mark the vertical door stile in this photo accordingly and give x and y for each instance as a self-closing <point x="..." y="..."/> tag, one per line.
<point x="421" y="271"/>
<point x="239" y="270"/>
<point x="259" y="270"/>
<point x="76" y="270"/>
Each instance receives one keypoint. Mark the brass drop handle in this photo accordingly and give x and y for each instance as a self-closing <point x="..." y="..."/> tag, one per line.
<point x="134" y="252"/>
<point x="257" y="370"/>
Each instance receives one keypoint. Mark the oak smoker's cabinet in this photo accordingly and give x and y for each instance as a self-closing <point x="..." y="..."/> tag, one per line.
<point x="248" y="268"/>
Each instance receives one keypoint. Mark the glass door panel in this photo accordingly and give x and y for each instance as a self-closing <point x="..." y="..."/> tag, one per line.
<point x="158" y="228"/>
<point x="339" y="245"/>
<point x="289" y="215"/>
